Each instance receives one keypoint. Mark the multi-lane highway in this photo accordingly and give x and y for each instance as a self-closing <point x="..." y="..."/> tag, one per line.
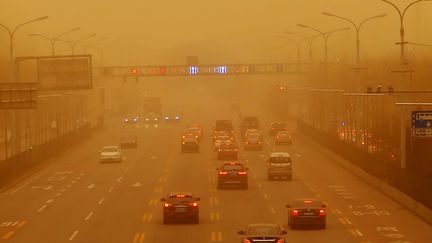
<point x="77" y="199"/>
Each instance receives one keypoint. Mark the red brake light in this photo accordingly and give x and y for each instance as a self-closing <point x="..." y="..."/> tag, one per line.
<point x="236" y="149"/>
<point x="294" y="213"/>
<point x="194" y="204"/>
<point x="322" y="212"/>
<point x="246" y="241"/>
<point x="167" y="205"/>
<point x="307" y="201"/>
<point x="281" y="241"/>
<point x="219" y="150"/>
<point x="223" y="173"/>
<point x="242" y="172"/>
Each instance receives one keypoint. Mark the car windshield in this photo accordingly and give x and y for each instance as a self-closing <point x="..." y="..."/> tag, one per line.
<point x="263" y="230"/>
<point x="307" y="203"/>
<point x="110" y="149"/>
<point x="254" y="136"/>
<point x="233" y="167"/>
<point x="280" y="159"/>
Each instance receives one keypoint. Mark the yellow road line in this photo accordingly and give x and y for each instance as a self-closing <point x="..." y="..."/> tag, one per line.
<point x="8" y="235"/>
<point x="21" y="224"/>
<point x="342" y="221"/>
<point x="216" y="201"/>
<point x="141" y="239"/>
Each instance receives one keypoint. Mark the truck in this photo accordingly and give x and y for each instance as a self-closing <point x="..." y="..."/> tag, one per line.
<point x="152" y="104"/>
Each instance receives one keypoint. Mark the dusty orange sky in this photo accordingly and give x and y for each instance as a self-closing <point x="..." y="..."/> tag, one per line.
<point x="165" y="31"/>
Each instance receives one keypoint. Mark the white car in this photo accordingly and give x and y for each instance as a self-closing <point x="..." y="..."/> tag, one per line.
<point x="110" y="154"/>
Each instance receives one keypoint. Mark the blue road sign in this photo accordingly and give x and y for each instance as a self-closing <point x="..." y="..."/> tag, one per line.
<point x="422" y="124"/>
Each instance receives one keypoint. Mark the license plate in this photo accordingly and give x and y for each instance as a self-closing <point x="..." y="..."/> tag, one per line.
<point x="308" y="214"/>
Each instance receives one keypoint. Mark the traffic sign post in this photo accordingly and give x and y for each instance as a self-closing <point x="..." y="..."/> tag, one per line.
<point x="422" y="124"/>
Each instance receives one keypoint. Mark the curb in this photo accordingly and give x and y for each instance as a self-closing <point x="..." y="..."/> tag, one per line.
<point x="414" y="206"/>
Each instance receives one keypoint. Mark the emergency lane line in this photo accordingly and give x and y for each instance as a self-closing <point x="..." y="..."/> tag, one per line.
<point x="119" y="179"/>
<point x="101" y="201"/>
<point x="88" y="216"/>
<point x="272" y="210"/>
<point x="265" y="195"/>
<point x="259" y="185"/>
<point x="74" y="234"/>
<point x="21" y="224"/>
<point x="8" y="235"/>
<point x="111" y="189"/>
<point x="42" y="208"/>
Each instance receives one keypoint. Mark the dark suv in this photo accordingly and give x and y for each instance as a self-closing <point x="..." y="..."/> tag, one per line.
<point x="232" y="173"/>
<point x="263" y="233"/>
<point x="179" y="205"/>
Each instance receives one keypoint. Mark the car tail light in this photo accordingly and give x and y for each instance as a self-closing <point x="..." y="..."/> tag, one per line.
<point x="167" y="205"/>
<point x="322" y="212"/>
<point x="183" y="142"/>
<point x="246" y="241"/>
<point x="194" y="204"/>
<point x="223" y="173"/>
<point x="295" y="213"/>
<point x="242" y="173"/>
<point x="246" y="142"/>
<point x="281" y="241"/>
<point x="259" y="142"/>
<point x="277" y="137"/>
<point x="236" y="149"/>
<point x="219" y="150"/>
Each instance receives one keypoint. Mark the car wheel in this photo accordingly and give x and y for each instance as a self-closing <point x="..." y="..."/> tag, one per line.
<point x="166" y="220"/>
<point x="195" y="219"/>
<point x="323" y="226"/>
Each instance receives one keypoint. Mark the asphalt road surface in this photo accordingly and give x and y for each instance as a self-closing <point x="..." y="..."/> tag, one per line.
<point x="77" y="199"/>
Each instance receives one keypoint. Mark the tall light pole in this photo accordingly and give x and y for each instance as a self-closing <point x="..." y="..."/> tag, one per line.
<point x="357" y="28"/>
<point x="402" y="29"/>
<point x="91" y="43"/>
<point x="309" y="39"/>
<point x="53" y="40"/>
<point x="296" y="43"/>
<point x="11" y="36"/>
<point x="325" y="36"/>
<point x="73" y="44"/>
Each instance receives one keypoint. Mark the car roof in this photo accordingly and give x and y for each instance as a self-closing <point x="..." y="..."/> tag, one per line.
<point x="174" y="194"/>
<point x="280" y="154"/>
<point x="307" y="202"/>
<point x="108" y="147"/>
<point x="264" y="225"/>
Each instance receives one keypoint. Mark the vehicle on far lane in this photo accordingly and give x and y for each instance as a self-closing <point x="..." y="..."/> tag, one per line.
<point x="253" y="141"/>
<point x="110" y="154"/>
<point x="279" y="165"/>
<point x="276" y="127"/>
<point x="151" y="118"/>
<point x="309" y="211"/>
<point x="190" y="144"/>
<point x="283" y="137"/>
<point x="180" y="206"/>
<point x="248" y="122"/>
<point x="263" y="233"/>
<point x="227" y="152"/>
<point x="129" y="141"/>
<point x="232" y="173"/>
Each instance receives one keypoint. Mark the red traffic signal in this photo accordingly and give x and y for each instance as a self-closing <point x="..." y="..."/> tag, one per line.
<point x="134" y="71"/>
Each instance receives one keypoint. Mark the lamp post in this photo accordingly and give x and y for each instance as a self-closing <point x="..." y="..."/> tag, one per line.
<point x="325" y="36"/>
<point x="309" y="39"/>
<point x="53" y="40"/>
<point x="402" y="29"/>
<point x="91" y="43"/>
<point x="73" y="44"/>
<point x="357" y="27"/>
<point x="296" y="43"/>
<point x="11" y="37"/>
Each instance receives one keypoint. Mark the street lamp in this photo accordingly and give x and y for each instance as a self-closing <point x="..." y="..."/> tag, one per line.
<point x="309" y="39"/>
<point x="53" y="40"/>
<point x="73" y="44"/>
<point x="11" y="36"/>
<point x="91" y="43"/>
<point x="357" y="27"/>
<point x="297" y="44"/>
<point x="402" y="29"/>
<point x="325" y="36"/>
